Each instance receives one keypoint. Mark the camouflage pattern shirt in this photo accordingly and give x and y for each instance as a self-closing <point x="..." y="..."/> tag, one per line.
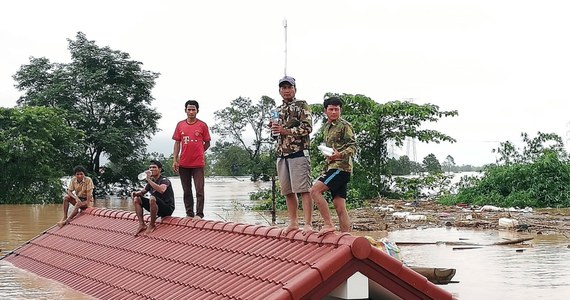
<point x="295" y="116"/>
<point x="340" y="136"/>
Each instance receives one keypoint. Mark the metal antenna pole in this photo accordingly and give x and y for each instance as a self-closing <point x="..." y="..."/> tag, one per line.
<point x="285" y="27"/>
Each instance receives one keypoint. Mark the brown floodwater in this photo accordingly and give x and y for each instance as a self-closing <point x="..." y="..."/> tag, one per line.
<point x="540" y="270"/>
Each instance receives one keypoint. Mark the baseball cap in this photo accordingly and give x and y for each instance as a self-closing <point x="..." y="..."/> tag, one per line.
<point x="287" y="79"/>
<point x="157" y="163"/>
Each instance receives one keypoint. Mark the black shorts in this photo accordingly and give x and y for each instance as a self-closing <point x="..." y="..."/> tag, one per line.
<point x="336" y="180"/>
<point x="164" y="209"/>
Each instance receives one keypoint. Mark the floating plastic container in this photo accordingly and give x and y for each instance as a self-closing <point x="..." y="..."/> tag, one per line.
<point x="508" y="223"/>
<point x="400" y="214"/>
<point x="415" y="218"/>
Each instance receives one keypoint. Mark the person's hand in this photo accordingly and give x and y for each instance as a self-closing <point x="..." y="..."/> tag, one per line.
<point x="277" y="128"/>
<point x="175" y="166"/>
<point x="334" y="156"/>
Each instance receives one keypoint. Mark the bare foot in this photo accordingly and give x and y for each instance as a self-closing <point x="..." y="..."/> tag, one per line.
<point x="326" y="230"/>
<point x="62" y="223"/>
<point x="150" y="229"/>
<point x="289" y="229"/>
<point x="307" y="229"/>
<point x="197" y="218"/>
<point x="142" y="227"/>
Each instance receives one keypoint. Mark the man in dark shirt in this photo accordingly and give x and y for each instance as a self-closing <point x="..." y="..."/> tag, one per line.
<point x="161" y="200"/>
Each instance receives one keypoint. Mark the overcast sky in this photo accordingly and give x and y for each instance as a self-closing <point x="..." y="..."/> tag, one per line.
<point x="504" y="65"/>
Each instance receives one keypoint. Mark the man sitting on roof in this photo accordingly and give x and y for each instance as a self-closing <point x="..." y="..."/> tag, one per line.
<point x="161" y="200"/>
<point x="79" y="194"/>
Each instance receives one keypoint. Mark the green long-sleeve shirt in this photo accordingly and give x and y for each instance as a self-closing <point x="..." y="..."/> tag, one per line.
<point x="340" y="136"/>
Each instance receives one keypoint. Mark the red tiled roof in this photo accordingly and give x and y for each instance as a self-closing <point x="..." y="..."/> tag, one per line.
<point x="98" y="254"/>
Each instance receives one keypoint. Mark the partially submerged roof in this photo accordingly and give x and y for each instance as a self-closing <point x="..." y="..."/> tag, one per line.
<point x="98" y="255"/>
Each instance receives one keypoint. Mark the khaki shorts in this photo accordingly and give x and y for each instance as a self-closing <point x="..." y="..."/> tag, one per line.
<point x="294" y="174"/>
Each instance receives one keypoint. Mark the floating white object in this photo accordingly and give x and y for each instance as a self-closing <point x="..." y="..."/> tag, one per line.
<point x="328" y="151"/>
<point x="400" y="214"/>
<point x="506" y="222"/>
<point x="491" y="208"/>
<point x="415" y="217"/>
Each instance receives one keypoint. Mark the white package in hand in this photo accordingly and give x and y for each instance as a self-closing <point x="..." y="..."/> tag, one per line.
<point x="328" y="151"/>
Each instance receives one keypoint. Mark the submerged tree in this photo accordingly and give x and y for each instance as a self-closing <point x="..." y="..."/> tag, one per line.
<point x="104" y="93"/>
<point x="244" y="124"/>
<point x="37" y="148"/>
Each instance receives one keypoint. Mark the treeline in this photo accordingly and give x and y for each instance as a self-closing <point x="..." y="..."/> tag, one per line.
<point x="536" y="175"/>
<point x="430" y="164"/>
<point x="99" y="105"/>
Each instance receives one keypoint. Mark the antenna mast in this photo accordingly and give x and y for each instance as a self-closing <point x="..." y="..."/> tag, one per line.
<point x="285" y="27"/>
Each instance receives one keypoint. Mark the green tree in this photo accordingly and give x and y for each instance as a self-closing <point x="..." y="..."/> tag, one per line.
<point x="449" y="163"/>
<point x="37" y="148"/>
<point x="230" y="160"/>
<point x="400" y="166"/>
<point x="537" y="175"/>
<point x="105" y="94"/>
<point x="375" y="125"/>
<point x="242" y="120"/>
<point x="532" y="150"/>
<point x="431" y="164"/>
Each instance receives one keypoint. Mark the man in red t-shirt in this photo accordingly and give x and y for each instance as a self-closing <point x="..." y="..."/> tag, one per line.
<point x="191" y="139"/>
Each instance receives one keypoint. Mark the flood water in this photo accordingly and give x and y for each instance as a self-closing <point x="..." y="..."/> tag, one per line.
<point x="540" y="271"/>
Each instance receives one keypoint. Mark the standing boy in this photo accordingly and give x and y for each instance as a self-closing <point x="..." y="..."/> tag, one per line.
<point x="293" y="165"/>
<point x="191" y="139"/>
<point x="79" y="194"/>
<point x="161" y="200"/>
<point x="337" y="134"/>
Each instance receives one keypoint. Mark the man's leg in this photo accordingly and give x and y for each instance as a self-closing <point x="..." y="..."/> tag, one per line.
<point x="307" y="211"/>
<point x="137" y="201"/>
<point x="78" y="206"/>
<point x="290" y="197"/>
<point x="343" y="219"/>
<point x="291" y="201"/>
<point x="317" y="191"/>
<point x="153" y="211"/>
<point x="186" y="181"/>
<point x="66" y="200"/>
<point x="198" y="175"/>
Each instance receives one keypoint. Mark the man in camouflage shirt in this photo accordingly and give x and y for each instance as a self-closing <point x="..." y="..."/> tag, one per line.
<point x="337" y="134"/>
<point x="293" y="165"/>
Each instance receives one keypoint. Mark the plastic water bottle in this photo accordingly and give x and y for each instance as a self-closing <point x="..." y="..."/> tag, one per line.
<point x="275" y="119"/>
<point x="142" y="176"/>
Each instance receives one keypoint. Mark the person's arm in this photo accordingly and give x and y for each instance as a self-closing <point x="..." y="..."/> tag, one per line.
<point x="348" y="148"/>
<point x="161" y="188"/>
<point x="73" y="195"/>
<point x="90" y="188"/>
<point x="140" y="193"/>
<point x="175" y="156"/>
<point x="206" y="145"/>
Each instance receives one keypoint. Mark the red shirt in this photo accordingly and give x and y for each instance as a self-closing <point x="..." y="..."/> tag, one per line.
<point x="191" y="138"/>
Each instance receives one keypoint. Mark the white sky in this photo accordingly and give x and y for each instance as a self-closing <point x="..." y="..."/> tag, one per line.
<point x="504" y="65"/>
